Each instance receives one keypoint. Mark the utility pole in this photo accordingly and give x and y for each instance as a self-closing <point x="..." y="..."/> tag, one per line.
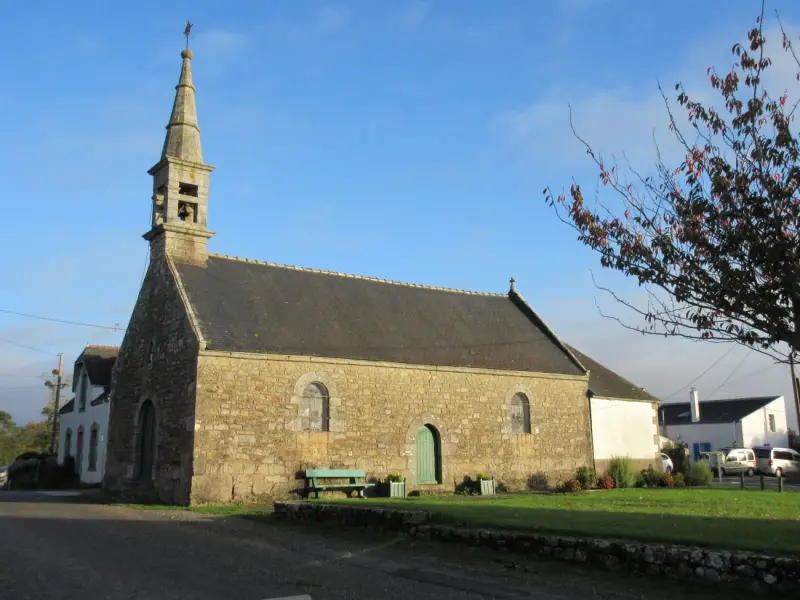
<point x="56" y="386"/>
<point x="795" y="387"/>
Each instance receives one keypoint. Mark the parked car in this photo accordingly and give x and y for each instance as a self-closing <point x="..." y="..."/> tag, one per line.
<point x="776" y="461"/>
<point x="739" y="460"/>
<point x="666" y="464"/>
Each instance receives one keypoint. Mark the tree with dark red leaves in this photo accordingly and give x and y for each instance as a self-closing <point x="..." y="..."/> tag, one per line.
<point x="715" y="240"/>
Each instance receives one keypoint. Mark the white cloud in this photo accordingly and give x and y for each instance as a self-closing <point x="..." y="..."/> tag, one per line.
<point x="631" y="118"/>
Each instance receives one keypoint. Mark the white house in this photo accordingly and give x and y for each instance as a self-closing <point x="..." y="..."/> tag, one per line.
<point x="83" y="429"/>
<point x="738" y="422"/>
<point x="623" y="417"/>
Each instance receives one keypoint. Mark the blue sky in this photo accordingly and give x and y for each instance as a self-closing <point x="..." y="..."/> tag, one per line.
<point x="405" y="140"/>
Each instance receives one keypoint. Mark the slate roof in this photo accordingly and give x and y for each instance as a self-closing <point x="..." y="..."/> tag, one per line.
<point x="605" y="383"/>
<point x="98" y="362"/>
<point x="714" y="411"/>
<point x="100" y="399"/>
<point x="67" y="408"/>
<point x="246" y="306"/>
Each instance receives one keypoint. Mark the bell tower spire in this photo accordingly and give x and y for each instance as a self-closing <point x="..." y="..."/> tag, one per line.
<point x="179" y="226"/>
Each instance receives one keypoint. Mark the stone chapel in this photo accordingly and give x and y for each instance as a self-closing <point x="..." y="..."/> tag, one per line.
<point x="236" y="374"/>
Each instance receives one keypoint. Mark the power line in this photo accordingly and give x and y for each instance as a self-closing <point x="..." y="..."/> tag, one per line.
<point x="679" y="390"/>
<point x="79" y="323"/>
<point x="31" y="348"/>
<point x="19" y="368"/>
<point x="736" y="368"/>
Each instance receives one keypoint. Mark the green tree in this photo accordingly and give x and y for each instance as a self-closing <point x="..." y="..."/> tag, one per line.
<point x="715" y="241"/>
<point x="14" y="440"/>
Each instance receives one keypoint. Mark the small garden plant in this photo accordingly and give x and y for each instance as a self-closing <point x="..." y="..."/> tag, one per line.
<point x="621" y="470"/>
<point x="571" y="486"/>
<point x="605" y="482"/>
<point x="699" y="474"/>
<point x="586" y="477"/>
<point x="395" y="477"/>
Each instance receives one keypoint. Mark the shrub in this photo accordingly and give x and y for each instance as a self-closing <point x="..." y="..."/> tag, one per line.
<point x="621" y="470"/>
<point x="395" y="477"/>
<point x="571" y="486"/>
<point x="467" y="487"/>
<point x="667" y="480"/>
<point x="680" y="461"/>
<point x="605" y="482"/>
<point x="640" y="482"/>
<point x="678" y="480"/>
<point x="652" y="478"/>
<point x="586" y="477"/>
<point x="482" y="477"/>
<point x="699" y="474"/>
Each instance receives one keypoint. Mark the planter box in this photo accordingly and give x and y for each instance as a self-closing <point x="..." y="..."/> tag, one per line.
<point x="391" y="489"/>
<point x="487" y="487"/>
<point x="397" y="489"/>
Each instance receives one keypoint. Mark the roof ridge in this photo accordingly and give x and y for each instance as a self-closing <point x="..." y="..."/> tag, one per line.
<point x="102" y="346"/>
<point x="353" y="276"/>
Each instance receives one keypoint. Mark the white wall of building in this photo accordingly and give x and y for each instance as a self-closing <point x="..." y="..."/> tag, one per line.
<point x="624" y="428"/>
<point x="718" y="435"/>
<point x="757" y="427"/>
<point x="753" y="430"/>
<point x="91" y="416"/>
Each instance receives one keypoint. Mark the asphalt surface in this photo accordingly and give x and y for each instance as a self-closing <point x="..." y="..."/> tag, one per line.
<point x="52" y="549"/>
<point x="770" y="483"/>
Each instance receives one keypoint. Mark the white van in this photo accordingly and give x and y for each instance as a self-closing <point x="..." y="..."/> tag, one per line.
<point x="739" y="460"/>
<point x="776" y="461"/>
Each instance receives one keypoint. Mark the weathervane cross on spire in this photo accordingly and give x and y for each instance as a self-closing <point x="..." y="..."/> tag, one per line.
<point x="188" y="31"/>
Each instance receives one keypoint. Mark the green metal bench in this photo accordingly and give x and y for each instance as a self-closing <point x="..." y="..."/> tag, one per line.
<point x="315" y="476"/>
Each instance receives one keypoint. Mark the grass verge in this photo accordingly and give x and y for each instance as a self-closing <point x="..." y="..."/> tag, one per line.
<point x="720" y="518"/>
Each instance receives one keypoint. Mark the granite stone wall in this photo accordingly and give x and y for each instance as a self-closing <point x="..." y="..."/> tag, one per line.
<point x="758" y="572"/>
<point x="249" y="443"/>
<point x="157" y="362"/>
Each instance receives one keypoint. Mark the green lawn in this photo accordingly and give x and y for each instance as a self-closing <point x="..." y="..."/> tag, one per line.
<point x="733" y="519"/>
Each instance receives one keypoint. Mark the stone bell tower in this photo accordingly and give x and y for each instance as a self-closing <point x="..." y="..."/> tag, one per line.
<point x="179" y="225"/>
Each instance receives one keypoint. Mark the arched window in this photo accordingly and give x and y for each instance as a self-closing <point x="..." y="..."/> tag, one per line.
<point x="520" y="414"/>
<point x="146" y="441"/>
<point x="314" y="408"/>
<point x="68" y="443"/>
<point x="79" y="450"/>
<point x="93" y="441"/>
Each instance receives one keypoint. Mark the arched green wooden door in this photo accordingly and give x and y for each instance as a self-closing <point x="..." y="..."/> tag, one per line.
<point x="426" y="456"/>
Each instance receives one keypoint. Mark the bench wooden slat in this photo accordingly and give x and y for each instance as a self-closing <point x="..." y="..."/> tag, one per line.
<point x="334" y="473"/>
<point x="325" y="486"/>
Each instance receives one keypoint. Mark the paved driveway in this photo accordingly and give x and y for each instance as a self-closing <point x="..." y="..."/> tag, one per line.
<point x="54" y="549"/>
<point x="770" y="483"/>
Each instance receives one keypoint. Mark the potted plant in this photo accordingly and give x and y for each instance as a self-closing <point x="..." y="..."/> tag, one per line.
<point x="395" y="485"/>
<point x="487" y="484"/>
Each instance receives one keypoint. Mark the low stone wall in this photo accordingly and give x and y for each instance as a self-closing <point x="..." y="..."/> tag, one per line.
<point x="384" y="519"/>
<point x="758" y="572"/>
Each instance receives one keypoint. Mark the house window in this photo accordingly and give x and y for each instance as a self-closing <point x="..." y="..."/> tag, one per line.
<point x="79" y="451"/>
<point x="151" y="354"/>
<point x="68" y="443"/>
<point x="314" y="408"/>
<point x="93" y="439"/>
<point x="771" y="419"/>
<point x="83" y="392"/>
<point x="520" y="414"/>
